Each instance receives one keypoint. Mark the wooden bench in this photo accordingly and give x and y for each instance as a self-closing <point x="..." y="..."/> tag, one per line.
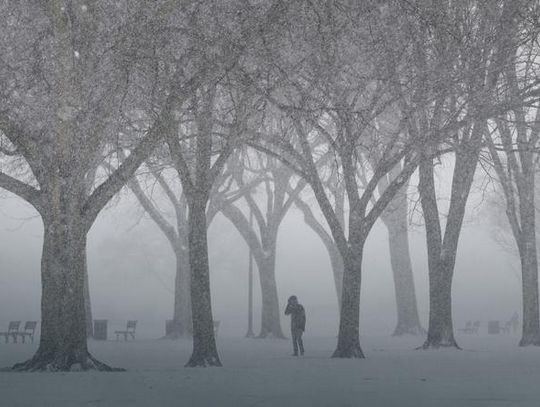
<point x="505" y="329"/>
<point x="129" y="331"/>
<point x="470" y="327"/>
<point x="467" y="329"/>
<point x="28" y="331"/>
<point x="13" y="330"/>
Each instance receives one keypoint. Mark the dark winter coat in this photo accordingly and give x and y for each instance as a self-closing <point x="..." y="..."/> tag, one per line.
<point x="298" y="316"/>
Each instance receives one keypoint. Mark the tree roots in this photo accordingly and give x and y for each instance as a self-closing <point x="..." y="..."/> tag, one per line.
<point x="204" y="361"/>
<point x="63" y="363"/>
<point x="351" y="352"/>
<point x="430" y="344"/>
<point x="533" y="340"/>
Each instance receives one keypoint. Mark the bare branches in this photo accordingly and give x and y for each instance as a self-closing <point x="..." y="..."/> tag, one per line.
<point x="23" y="190"/>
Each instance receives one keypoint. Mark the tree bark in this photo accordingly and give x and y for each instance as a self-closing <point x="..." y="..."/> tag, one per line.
<point x="63" y="344"/>
<point x="408" y="321"/>
<point x="529" y="272"/>
<point x="264" y="253"/>
<point x="87" y="301"/>
<point x="182" y="318"/>
<point x="270" y="311"/>
<point x="442" y="249"/>
<point x="517" y="177"/>
<point x="441" y="330"/>
<point x="337" y="269"/>
<point x="348" y="345"/>
<point x="204" y="342"/>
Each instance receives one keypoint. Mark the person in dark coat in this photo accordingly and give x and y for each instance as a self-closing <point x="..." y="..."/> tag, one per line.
<point x="298" y="323"/>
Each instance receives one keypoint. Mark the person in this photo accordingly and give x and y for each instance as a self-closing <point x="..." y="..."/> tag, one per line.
<point x="298" y="323"/>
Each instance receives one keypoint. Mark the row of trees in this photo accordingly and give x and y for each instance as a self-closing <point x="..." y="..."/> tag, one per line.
<point x="216" y="100"/>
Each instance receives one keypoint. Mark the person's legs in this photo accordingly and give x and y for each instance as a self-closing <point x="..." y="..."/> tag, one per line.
<point x="300" y="341"/>
<point x="294" y="335"/>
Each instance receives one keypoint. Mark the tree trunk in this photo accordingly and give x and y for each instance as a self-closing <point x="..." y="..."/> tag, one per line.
<point x="442" y="252"/>
<point x="408" y="321"/>
<point x="333" y="252"/>
<point x="348" y="345"/>
<point x="264" y="253"/>
<point x="63" y="344"/>
<point x="87" y="302"/>
<point x="529" y="272"/>
<point x="250" y="333"/>
<point x="204" y="342"/>
<point x="270" y="312"/>
<point x="441" y="330"/>
<point x="337" y="269"/>
<point x="182" y="318"/>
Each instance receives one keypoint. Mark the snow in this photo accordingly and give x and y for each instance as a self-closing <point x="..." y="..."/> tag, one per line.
<point x="490" y="371"/>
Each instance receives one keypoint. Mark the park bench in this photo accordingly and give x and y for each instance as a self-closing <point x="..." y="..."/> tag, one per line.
<point x="28" y="331"/>
<point x="129" y="331"/>
<point x="467" y="329"/>
<point x="470" y="327"/>
<point x="506" y="328"/>
<point x="13" y="330"/>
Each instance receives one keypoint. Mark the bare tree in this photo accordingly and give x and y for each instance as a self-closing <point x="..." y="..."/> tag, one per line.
<point x="513" y="147"/>
<point x="450" y="102"/>
<point x="280" y="193"/>
<point x="395" y="218"/>
<point x="175" y="227"/>
<point x="318" y="226"/>
<point x="218" y="117"/>
<point x="176" y="233"/>
<point x="329" y="99"/>
<point x="71" y="75"/>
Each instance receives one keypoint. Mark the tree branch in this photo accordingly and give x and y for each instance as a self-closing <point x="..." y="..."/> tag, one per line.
<point x="22" y="190"/>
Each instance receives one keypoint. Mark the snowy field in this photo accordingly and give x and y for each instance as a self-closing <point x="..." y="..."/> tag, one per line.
<point x="490" y="371"/>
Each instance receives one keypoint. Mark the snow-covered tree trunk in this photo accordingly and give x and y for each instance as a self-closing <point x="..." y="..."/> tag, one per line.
<point x="204" y="343"/>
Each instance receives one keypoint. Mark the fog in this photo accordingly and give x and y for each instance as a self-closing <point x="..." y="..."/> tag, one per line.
<point x="303" y="203"/>
<point x="131" y="270"/>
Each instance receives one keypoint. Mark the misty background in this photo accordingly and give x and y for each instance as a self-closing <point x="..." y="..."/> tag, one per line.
<point x="132" y="268"/>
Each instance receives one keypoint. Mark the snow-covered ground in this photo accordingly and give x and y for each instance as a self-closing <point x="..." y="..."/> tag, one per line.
<point x="490" y="371"/>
